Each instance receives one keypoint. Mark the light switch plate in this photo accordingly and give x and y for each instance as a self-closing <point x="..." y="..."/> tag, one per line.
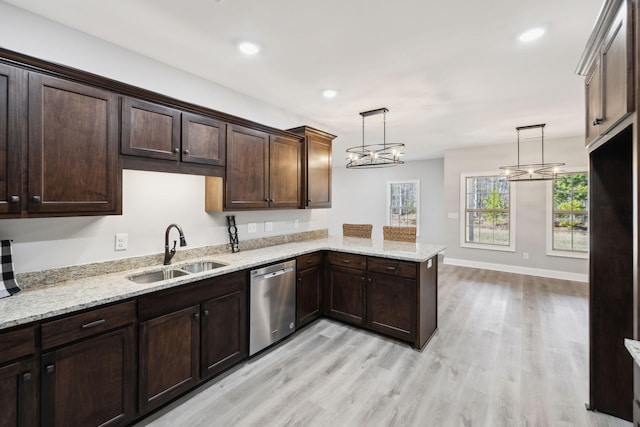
<point x="251" y="227"/>
<point x="296" y="224"/>
<point x="268" y="226"/>
<point x="121" y="241"/>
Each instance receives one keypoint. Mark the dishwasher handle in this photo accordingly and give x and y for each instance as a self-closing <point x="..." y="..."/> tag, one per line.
<point x="274" y="274"/>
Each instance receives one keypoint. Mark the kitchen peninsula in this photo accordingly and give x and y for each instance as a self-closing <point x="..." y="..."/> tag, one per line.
<point x="197" y="320"/>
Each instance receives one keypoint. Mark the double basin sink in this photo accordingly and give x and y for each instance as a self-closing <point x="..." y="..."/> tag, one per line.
<point x="183" y="270"/>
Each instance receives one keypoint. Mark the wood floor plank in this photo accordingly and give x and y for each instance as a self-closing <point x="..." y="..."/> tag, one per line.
<point x="511" y="350"/>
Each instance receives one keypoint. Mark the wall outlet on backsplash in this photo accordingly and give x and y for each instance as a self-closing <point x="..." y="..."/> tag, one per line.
<point x="122" y="240"/>
<point x="251" y="227"/>
<point x="268" y="226"/>
<point x="296" y="224"/>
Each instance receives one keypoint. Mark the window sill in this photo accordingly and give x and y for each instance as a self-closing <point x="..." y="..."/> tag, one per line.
<point x="488" y="247"/>
<point x="569" y="254"/>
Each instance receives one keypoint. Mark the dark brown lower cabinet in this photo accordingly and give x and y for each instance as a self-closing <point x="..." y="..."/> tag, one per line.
<point x="223" y="333"/>
<point x="91" y="383"/>
<point x="19" y="394"/>
<point x="309" y="288"/>
<point x="391" y="305"/>
<point x="392" y="297"/>
<point x="168" y="365"/>
<point x="346" y="295"/>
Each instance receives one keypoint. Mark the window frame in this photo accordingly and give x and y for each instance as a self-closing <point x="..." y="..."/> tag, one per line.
<point x="550" y="251"/>
<point x="463" y="217"/>
<point x="418" y="211"/>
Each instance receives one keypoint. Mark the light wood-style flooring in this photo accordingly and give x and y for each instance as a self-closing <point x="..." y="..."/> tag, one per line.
<point x="511" y="350"/>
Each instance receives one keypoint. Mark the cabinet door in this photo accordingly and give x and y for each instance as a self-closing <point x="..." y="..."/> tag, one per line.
<point x="346" y="295"/>
<point x="391" y="305"/>
<point x="73" y="147"/>
<point x="318" y="172"/>
<point x="617" y="72"/>
<point x="223" y="333"/>
<point x="169" y="347"/>
<point x="203" y="140"/>
<point x="593" y="102"/>
<point x="308" y="295"/>
<point x="247" y="168"/>
<point x="12" y="131"/>
<point x="150" y="130"/>
<point x="19" y="394"/>
<point x="91" y="383"/>
<point x="285" y="167"/>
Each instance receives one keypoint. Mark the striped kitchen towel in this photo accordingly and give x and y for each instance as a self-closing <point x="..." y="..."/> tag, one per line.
<point x="8" y="284"/>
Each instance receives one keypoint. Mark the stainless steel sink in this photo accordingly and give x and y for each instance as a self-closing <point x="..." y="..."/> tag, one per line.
<point x="157" y="276"/>
<point x="198" y="267"/>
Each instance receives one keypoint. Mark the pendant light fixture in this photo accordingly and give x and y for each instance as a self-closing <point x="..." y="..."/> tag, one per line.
<point x="375" y="155"/>
<point x="532" y="171"/>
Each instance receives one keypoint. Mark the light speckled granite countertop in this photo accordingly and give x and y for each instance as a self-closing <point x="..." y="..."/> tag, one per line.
<point x="40" y="302"/>
<point x="633" y="347"/>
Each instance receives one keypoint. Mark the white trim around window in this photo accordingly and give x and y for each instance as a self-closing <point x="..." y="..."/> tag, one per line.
<point x="512" y="215"/>
<point x="415" y="182"/>
<point x="549" y="221"/>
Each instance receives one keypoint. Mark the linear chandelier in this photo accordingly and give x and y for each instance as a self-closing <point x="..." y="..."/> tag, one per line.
<point x="532" y="171"/>
<point x="375" y="155"/>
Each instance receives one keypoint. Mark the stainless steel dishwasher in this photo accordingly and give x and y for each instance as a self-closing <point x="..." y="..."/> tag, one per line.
<point x="272" y="307"/>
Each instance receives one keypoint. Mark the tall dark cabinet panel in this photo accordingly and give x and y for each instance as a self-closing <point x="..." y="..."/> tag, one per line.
<point x="611" y="276"/>
<point x="12" y="130"/>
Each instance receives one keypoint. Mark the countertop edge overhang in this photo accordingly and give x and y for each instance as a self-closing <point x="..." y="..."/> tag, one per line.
<point x="38" y="303"/>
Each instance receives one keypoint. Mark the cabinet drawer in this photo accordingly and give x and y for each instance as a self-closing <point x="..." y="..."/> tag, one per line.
<point x="87" y="324"/>
<point x="347" y="260"/>
<point x="308" y="260"/>
<point x="17" y="343"/>
<point x="393" y="267"/>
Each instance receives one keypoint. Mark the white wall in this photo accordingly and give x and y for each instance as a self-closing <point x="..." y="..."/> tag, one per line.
<point x="359" y="196"/>
<point x="151" y="201"/>
<point x="530" y="206"/>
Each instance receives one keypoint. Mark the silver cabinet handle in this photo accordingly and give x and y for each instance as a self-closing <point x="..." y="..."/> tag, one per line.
<point x="93" y="324"/>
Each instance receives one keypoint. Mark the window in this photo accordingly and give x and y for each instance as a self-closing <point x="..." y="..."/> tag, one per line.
<point x="568" y="215"/>
<point x="489" y="221"/>
<point x="403" y="204"/>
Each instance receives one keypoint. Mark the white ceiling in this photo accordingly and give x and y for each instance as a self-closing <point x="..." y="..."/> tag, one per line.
<point x="452" y="73"/>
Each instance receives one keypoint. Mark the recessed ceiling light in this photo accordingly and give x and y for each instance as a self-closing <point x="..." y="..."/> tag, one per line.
<point x="329" y="93"/>
<point x="249" y="48"/>
<point x="531" y="35"/>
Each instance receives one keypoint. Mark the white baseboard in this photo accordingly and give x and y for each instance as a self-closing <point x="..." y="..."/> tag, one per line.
<point x="553" y="274"/>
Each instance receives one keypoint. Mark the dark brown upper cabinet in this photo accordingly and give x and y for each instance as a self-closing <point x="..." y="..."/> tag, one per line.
<point x="13" y="92"/>
<point x="150" y="130"/>
<point x="247" y="169"/>
<point x="154" y="131"/>
<point x="203" y="140"/>
<point x="609" y="84"/>
<point x="72" y="149"/>
<point x="285" y="172"/>
<point x="316" y="173"/>
<point x="262" y="171"/>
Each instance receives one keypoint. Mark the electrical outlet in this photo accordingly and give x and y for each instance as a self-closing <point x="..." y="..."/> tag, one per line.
<point x="251" y="227"/>
<point x="121" y="241"/>
<point x="268" y="226"/>
<point x="525" y="255"/>
<point x="296" y="224"/>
